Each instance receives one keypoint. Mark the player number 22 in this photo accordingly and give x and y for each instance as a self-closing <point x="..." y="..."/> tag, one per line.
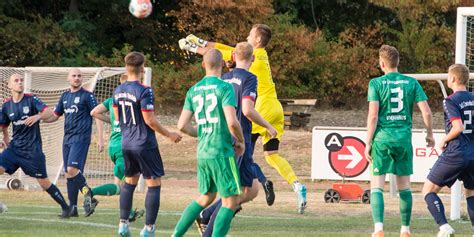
<point x="397" y="99"/>
<point x="200" y="105"/>
<point x="127" y="103"/>
<point x="468" y="122"/>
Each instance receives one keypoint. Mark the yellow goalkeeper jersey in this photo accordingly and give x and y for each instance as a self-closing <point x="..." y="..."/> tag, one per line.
<point x="260" y="67"/>
<point x="267" y="104"/>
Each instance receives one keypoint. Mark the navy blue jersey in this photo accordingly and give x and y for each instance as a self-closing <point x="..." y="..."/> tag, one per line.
<point x="76" y="107"/>
<point x="26" y="140"/>
<point x="131" y="98"/>
<point x="460" y="105"/>
<point x="245" y="87"/>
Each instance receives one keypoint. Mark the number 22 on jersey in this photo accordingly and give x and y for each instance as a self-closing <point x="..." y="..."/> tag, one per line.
<point x="211" y="101"/>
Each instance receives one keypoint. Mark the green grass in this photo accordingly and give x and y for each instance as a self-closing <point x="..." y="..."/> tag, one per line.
<point x="33" y="214"/>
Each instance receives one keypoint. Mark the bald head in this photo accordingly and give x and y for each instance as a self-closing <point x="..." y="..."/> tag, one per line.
<point x="75" y="78"/>
<point x="212" y="60"/>
<point x="243" y="52"/>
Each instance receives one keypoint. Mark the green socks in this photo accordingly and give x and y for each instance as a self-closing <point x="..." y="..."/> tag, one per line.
<point x="376" y="202"/>
<point x="406" y="202"/>
<point x="223" y="220"/>
<point x="106" y="190"/>
<point x="189" y="215"/>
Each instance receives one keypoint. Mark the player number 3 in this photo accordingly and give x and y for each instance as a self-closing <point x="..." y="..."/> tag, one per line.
<point x="397" y="99"/>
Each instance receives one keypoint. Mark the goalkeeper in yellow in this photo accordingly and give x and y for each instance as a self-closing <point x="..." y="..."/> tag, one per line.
<point x="267" y="103"/>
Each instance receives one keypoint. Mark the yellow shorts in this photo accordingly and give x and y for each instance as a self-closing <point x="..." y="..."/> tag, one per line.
<point x="272" y="111"/>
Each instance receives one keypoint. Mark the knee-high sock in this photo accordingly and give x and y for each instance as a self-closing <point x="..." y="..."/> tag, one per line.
<point x="436" y="208"/>
<point x="54" y="192"/>
<point x="223" y="221"/>
<point x="470" y="209"/>
<point x="406" y="202"/>
<point x="152" y="204"/>
<point x="377" y="204"/>
<point x="282" y="166"/>
<point x="189" y="215"/>
<point x="106" y="190"/>
<point x="75" y="184"/>
<point x="126" y="200"/>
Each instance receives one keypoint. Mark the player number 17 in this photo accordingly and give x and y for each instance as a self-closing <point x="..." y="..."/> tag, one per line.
<point x="127" y="103"/>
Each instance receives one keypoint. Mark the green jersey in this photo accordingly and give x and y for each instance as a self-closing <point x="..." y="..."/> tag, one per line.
<point x="207" y="100"/>
<point x="396" y="94"/>
<point x="115" y="134"/>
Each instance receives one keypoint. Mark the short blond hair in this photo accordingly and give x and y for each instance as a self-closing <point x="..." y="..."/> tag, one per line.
<point x="265" y="33"/>
<point x="134" y="62"/>
<point x="390" y="55"/>
<point x="460" y="72"/>
<point x="243" y="51"/>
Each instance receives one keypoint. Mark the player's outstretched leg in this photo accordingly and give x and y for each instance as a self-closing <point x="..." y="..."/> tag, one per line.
<point x="281" y="165"/>
<point x="56" y="195"/>
<point x="436" y="207"/>
<point x="187" y="218"/>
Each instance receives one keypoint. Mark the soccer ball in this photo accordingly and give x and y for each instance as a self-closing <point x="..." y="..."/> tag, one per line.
<point x="140" y="8"/>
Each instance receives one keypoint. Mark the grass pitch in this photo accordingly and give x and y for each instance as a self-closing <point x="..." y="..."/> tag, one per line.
<point x="35" y="214"/>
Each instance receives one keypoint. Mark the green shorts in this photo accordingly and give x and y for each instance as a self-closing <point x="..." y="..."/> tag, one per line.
<point x="218" y="175"/>
<point x="392" y="157"/>
<point x="116" y="155"/>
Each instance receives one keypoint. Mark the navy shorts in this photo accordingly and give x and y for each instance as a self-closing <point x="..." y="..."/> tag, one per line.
<point x="147" y="162"/>
<point x="33" y="164"/>
<point x="75" y="155"/>
<point x="449" y="168"/>
<point x="246" y="170"/>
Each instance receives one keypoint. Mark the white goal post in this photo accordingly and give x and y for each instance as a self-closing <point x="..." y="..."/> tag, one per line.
<point x="48" y="83"/>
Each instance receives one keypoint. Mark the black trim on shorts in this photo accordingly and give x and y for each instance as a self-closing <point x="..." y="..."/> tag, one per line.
<point x="272" y="145"/>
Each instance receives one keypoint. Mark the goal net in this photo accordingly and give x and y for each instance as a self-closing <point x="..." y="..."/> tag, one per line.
<point x="48" y="83"/>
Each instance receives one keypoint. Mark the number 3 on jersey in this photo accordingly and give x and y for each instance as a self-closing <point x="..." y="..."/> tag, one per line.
<point x="207" y="118"/>
<point x="398" y="98"/>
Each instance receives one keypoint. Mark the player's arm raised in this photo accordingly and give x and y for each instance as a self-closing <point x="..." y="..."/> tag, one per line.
<point x="372" y="119"/>
<point x="235" y="129"/>
<point x="200" y="46"/>
<point x="428" y="121"/>
<point x="184" y="123"/>
<point x="153" y="123"/>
